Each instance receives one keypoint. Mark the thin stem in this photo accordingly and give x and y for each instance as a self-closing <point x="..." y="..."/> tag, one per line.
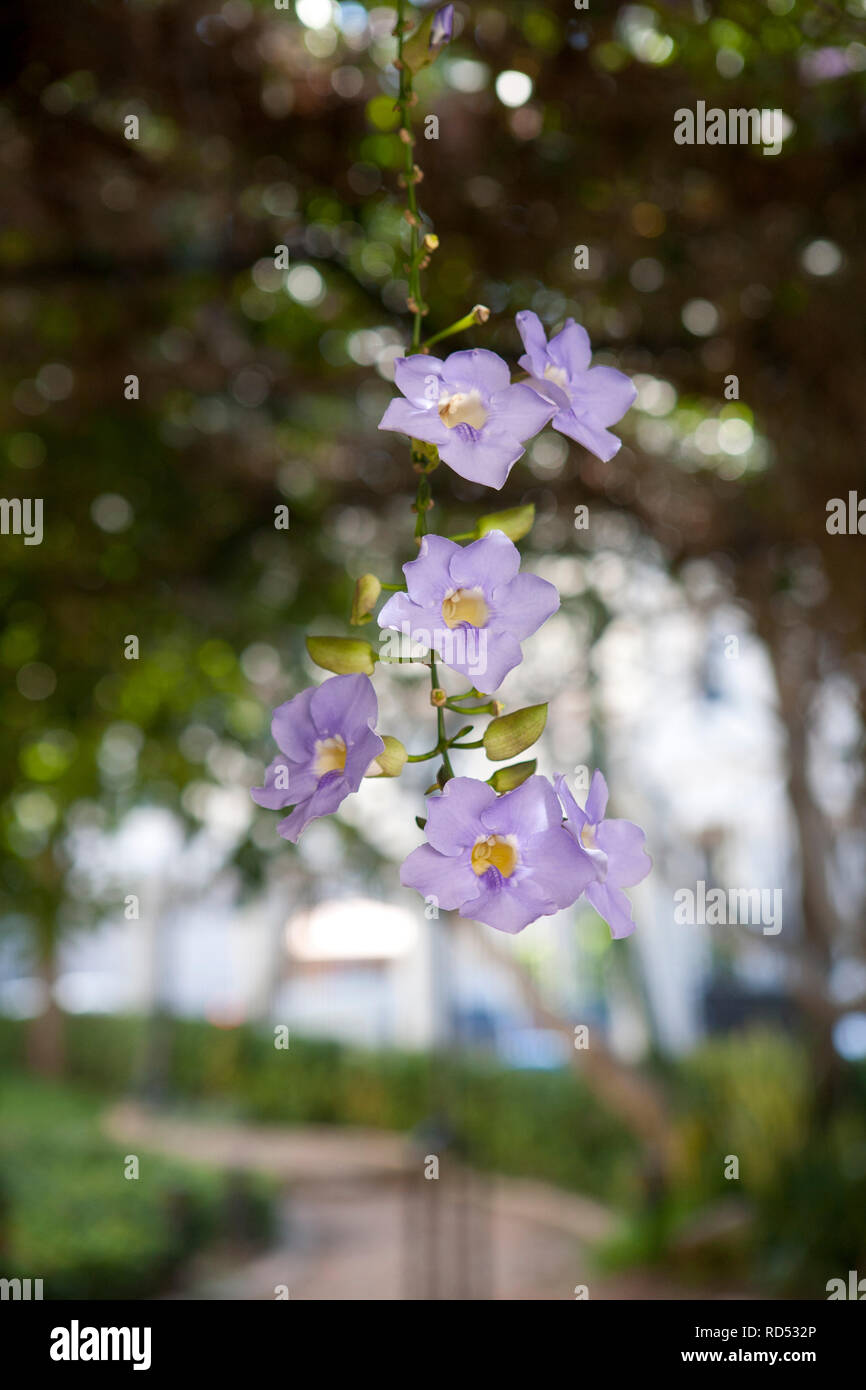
<point x="479" y="743"/>
<point x="404" y="103"/>
<point x="479" y="314"/>
<point x="440" y="721"/>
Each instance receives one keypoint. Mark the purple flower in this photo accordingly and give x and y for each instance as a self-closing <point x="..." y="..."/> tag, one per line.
<point x="470" y="606"/>
<point x="468" y="408"/>
<point x="327" y="743"/>
<point x="504" y="860"/>
<point x="587" y="399"/>
<point x="442" y="27"/>
<point x="614" y="847"/>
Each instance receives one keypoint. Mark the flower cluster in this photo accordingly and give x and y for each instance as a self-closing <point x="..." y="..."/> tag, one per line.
<point x="515" y="847"/>
<point x="507" y="860"/>
<point x="479" y="421"/>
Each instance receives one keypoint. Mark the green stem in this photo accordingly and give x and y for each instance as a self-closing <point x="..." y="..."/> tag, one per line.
<point x="440" y="722"/>
<point x="459" y="326"/>
<point x="441" y="747"/>
<point x="423" y="757"/>
<point x="404" y="103"/>
<point x="479" y="743"/>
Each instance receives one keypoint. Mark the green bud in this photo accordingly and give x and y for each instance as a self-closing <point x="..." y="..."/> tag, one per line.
<point x="346" y="655"/>
<point x="367" y="591"/>
<point x="505" y="779"/>
<point x="516" y="522"/>
<point x="390" y="761"/>
<point x="511" y="733"/>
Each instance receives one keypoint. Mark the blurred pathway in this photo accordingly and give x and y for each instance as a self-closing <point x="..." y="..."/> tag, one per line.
<point x="360" y="1221"/>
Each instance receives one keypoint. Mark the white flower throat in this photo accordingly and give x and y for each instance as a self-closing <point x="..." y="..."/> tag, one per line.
<point x="495" y="852"/>
<point x="465" y="606"/>
<point x="463" y="408"/>
<point x="558" y="375"/>
<point x="330" y="755"/>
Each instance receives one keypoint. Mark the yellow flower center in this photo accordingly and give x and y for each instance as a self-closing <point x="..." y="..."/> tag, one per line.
<point x="558" y="375"/>
<point x="330" y="756"/>
<point x="495" y="852"/>
<point x="465" y="606"/>
<point x="587" y="836"/>
<point x="463" y="408"/>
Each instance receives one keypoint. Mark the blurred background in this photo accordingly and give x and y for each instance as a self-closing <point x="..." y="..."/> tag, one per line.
<point x="277" y="1035"/>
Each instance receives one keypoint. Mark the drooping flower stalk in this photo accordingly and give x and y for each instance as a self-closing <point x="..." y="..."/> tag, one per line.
<point x="508" y="850"/>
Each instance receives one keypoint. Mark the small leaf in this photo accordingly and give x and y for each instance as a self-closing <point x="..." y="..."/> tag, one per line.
<point x="345" y="655"/>
<point x="511" y="733"/>
<point x="515" y="522"/>
<point x="420" y="822"/>
<point x="367" y="591"/>
<point x="391" y="761"/>
<point x="505" y="779"/>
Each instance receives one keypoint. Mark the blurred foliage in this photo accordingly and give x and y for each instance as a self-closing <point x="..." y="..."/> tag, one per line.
<point x="798" y="1209"/>
<point x="761" y="1090"/>
<point x="794" y="1216"/>
<point x="540" y="1124"/>
<point x="71" y="1218"/>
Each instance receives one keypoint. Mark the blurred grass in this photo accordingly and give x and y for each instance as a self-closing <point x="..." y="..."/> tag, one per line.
<point x="70" y="1217"/>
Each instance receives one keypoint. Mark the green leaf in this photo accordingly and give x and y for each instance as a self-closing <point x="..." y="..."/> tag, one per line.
<point x="345" y="655"/>
<point x="515" y="522"/>
<point x="511" y="733"/>
<point x="505" y="779"/>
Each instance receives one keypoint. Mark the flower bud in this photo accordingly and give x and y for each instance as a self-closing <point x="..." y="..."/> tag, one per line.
<point x="438" y="697"/>
<point x="391" y="761"/>
<point x="505" y="779"/>
<point x="511" y="733"/>
<point x="345" y="655"/>
<point x="429" y="39"/>
<point x="367" y="591"/>
<point x="514" y="522"/>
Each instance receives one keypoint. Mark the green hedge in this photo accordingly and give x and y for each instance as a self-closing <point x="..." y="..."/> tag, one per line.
<point x="70" y="1217"/>
<point x="749" y="1094"/>
<point x="542" y="1124"/>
